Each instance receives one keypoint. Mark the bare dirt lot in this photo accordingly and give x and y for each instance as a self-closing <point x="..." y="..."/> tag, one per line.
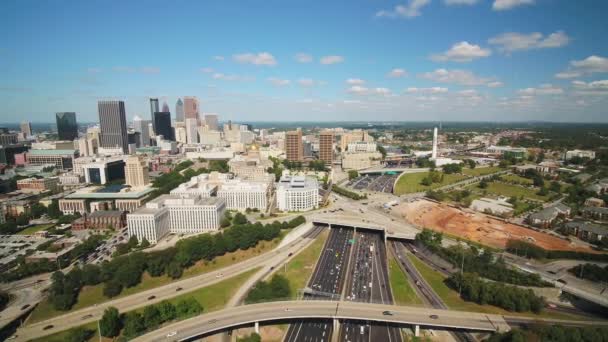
<point x="478" y="227"/>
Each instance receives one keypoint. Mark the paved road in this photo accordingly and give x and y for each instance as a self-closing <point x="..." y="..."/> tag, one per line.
<point x="327" y="280"/>
<point x="405" y="315"/>
<point x="138" y="300"/>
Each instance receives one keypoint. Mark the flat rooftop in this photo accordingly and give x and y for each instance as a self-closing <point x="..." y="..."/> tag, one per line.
<point x="100" y="192"/>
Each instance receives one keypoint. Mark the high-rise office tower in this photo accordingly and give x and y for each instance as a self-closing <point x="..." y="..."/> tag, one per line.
<point x="141" y="126"/>
<point x="212" y="121"/>
<point x="26" y="128"/>
<point x="166" y="107"/>
<point x="326" y="146"/>
<point x="67" y="129"/>
<point x="179" y="111"/>
<point x="153" y="107"/>
<point x="113" y="123"/>
<point x="162" y="125"/>
<point x="136" y="172"/>
<point x="293" y="146"/>
<point x="191" y="108"/>
<point x="191" y="131"/>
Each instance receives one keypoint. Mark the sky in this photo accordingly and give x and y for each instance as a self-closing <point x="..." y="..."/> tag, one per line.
<point x="367" y="60"/>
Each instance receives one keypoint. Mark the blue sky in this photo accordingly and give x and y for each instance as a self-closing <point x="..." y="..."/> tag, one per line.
<point x="309" y="60"/>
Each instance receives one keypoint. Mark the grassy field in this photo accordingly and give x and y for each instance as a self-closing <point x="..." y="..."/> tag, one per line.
<point x="454" y="302"/>
<point x="517" y="179"/>
<point x="90" y="295"/>
<point x="410" y="182"/>
<point x="403" y="293"/>
<point x="34" y="229"/>
<point x="301" y="266"/>
<point x="508" y="190"/>
<point x="480" y="171"/>
<point x="63" y="335"/>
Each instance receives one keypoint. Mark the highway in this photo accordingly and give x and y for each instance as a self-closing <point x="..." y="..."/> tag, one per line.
<point x="326" y="281"/>
<point x="210" y="323"/>
<point x="367" y="282"/>
<point x="141" y="299"/>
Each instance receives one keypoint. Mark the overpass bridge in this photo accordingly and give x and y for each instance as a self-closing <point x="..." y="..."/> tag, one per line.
<point x="396" y="170"/>
<point x="390" y="233"/>
<point x="415" y="317"/>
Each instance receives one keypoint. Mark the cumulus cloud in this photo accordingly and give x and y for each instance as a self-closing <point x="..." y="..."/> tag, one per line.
<point x="362" y="91"/>
<point x="397" y="73"/>
<point x="495" y="84"/>
<point x="355" y="81"/>
<point x="303" y="58"/>
<point x="462" y="52"/>
<point x="278" y="82"/>
<point x="590" y="65"/>
<point x="591" y="88"/>
<point x="544" y="89"/>
<point x="502" y="5"/>
<point x="230" y="77"/>
<point x="409" y="10"/>
<point x="260" y="58"/>
<point x="431" y="90"/>
<point x="331" y="59"/>
<point x="462" y="77"/>
<point x="512" y="41"/>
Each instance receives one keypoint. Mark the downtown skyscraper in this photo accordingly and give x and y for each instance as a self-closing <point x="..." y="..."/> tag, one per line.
<point x="113" y="124"/>
<point x="179" y="111"/>
<point x="153" y="107"/>
<point x="67" y="128"/>
<point x="191" y="108"/>
<point x="162" y="125"/>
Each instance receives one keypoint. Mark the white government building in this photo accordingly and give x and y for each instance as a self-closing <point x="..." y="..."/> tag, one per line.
<point x="185" y="214"/>
<point x="297" y="193"/>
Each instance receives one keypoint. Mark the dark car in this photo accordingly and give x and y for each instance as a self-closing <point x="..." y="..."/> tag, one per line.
<point x="87" y="316"/>
<point x="290" y="254"/>
<point x="178" y="289"/>
<point x="25" y="306"/>
<point x="387" y="313"/>
<point x="50" y="326"/>
<point x="151" y="297"/>
<point x="434" y="316"/>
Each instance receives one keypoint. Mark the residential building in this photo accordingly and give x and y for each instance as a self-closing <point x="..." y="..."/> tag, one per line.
<point x="293" y="146"/>
<point x="297" y="193"/>
<point x="162" y="125"/>
<point x="595" y="213"/>
<point x="586" y="231"/>
<point x="326" y="147"/>
<point x="26" y="128"/>
<point x="579" y="154"/>
<point x="113" y="122"/>
<point x="67" y="127"/>
<point x="61" y="159"/>
<point x="38" y="184"/>
<point x="599" y="187"/>
<point x="546" y="217"/>
<point x="594" y="202"/>
<point x="136" y="172"/>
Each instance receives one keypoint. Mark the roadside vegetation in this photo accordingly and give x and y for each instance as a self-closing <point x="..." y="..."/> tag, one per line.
<point x="277" y="288"/>
<point x="591" y="272"/>
<point x="528" y="250"/>
<point x="403" y="292"/>
<point x="347" y="193"/>
<point x="541" y="332"/>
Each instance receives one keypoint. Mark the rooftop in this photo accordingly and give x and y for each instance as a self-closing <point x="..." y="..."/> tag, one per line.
<point x="51" y="152"/>
<point x="92" y="192"/>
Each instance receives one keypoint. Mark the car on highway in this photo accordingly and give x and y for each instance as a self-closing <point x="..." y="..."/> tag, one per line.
<point x="433" y="316"/>
<point x="25" y="306"/>
<point x="87" y="316"/>
<point x="219" y="275"/>
<point x="387" y="313"/>
<point x="178" y="289"/>
<point x="151" y="297"/>
<point x="171" y="334"/>
<point x="50" y="326"/>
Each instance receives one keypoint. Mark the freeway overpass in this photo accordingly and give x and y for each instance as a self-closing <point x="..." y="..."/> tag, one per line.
<point x="415" y="317"/>
<point x="356" y="223"/>
<point x="383" y="170"/>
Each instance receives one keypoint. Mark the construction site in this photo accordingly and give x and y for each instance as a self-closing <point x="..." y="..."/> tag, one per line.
<point x="479" y="227"/>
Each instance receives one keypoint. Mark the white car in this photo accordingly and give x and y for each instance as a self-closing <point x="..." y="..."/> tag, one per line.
<point x="171" y="334"/>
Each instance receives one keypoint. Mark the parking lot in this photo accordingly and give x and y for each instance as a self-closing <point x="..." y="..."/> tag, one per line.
<point x="105" y="250"/>
<point x="378" y="183"/>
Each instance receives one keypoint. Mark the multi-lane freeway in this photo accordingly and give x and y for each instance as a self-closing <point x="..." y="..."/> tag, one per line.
<point x="326" y="282"/>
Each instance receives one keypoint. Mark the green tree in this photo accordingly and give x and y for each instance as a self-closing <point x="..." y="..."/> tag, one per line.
<point x="352" y="174"/>
<point x="133" y="324"/>
<point x="109" y="325"/>
<point x="152" y="317"/>
<point x="79" y="335"/>
<point x="167" y="311"/>
<point x="175" y="270"/>
<point x="188" y="307"/>
<point x="144" y="243"/>
<point x="112" y="288"/>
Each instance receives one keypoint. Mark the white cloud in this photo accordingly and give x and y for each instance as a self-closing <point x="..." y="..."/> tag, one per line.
<point x="432" y="90"/>
<point x="355" y="81"/>
<point x="495" y="84"/>
<point x="303" y="58"/>
<point x="410" y="10"/>
<point x="460" y="2"/>
<point x="590" y="65"/>
<point x="218" y="58"/>
<point x="544" y="89"/>
<point x="468" y="93"/>
<point x="260" y="58"/>
<point x="278" y="82"/>
<point x="397" y="73"/>
<point x="462" y="77"/>
<point x="306" y="82"/>
<point x="462" y="52"/>
<point x="361" y="91"/>
<point x="502" y="5"/>
<point x="230" y="77"/>
<point x="331" y="60"/>
<point x="591" y="88"/>
<point x="207" y="70"/>
<point x="513" y="41"/>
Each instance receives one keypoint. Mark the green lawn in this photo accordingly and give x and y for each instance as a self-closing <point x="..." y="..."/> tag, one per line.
<point x="454" y="302"/>
<point x="517" y="179"/>
<point x="480" y="171"/>
<point x="508" y="190"/>
<point x="34" y="229"/>
<point x="403" y="293"/>
<point x="301" y="266"/>
<point x="90" y="295"/>
<point x="410" y="182"/>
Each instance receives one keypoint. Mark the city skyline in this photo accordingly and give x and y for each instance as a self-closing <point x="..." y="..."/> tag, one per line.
<point x="421" y="60"/>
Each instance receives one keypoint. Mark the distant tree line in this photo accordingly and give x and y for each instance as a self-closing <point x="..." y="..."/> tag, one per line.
<point x="263" y="291"/>
<point x="554" y="333"/>
<point x="591" y="272"/>
<point x="126" y="271"/>
<point x="532" y="251"/>
<point x="482" y="262"/>
<point x="511" y="298"/>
